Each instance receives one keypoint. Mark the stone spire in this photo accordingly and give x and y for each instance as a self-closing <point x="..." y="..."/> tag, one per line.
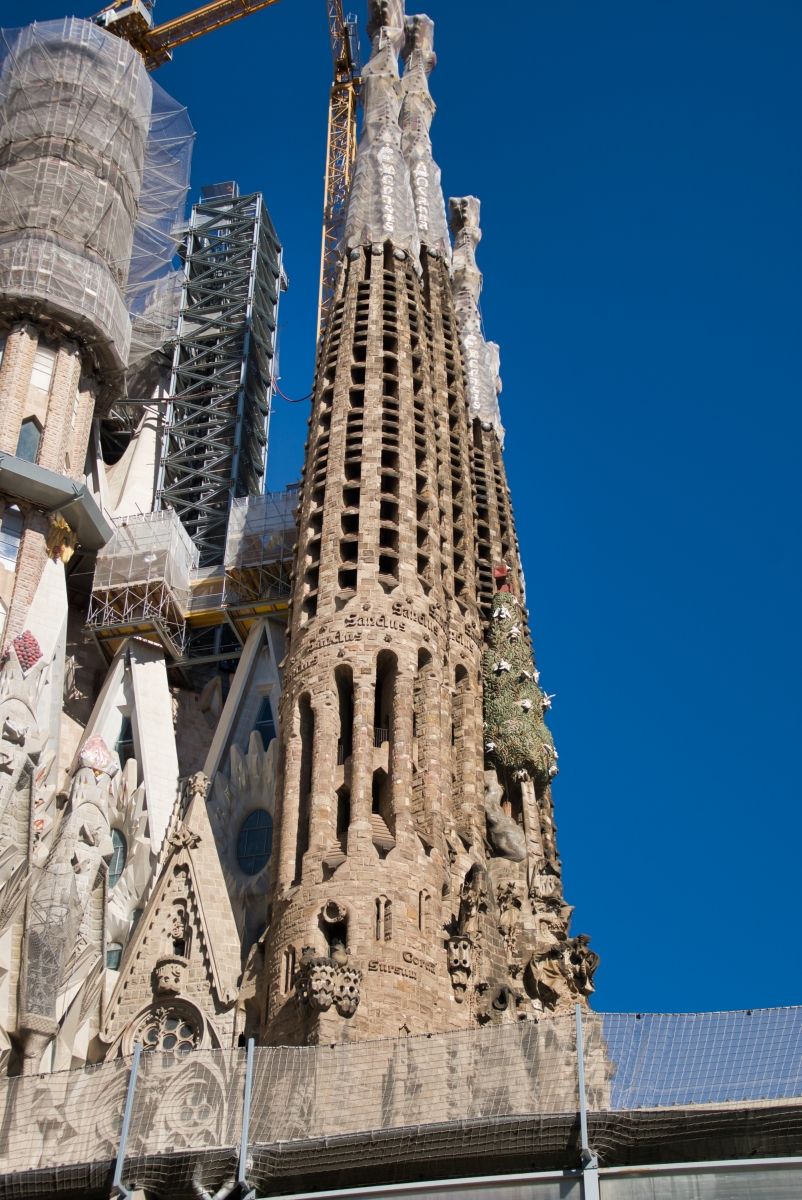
<point x="480" y="358"/>
<point x="380" y="205"/>
<point x="417" y="111"/>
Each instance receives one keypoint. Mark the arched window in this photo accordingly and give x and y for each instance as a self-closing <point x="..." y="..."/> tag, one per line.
<point x="114" y="954"/>
<point x="384" y="919"/>
<point x="44" y="363"/>
<point x="264" y="724"/>
<point x="118" y="857"/>
<point x="10" y="534"/>
<point x="255" y="841"/>
<point x="125" y="742"/>
<point x="287" y="969"/>
<point x="30" y="435"/>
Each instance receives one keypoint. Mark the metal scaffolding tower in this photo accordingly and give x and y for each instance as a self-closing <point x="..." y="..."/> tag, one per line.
<point x="214" y="443"/>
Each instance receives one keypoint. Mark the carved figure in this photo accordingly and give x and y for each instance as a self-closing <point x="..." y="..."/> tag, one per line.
<point x="509" y="903"/>
<point x="460" y="951"/>
<point x="168" y="975"/>
<point x="500" y="1005"/>
<point x="506" y="837"/>
<point x="584" y="962"/>
<point x="472" y="901"/>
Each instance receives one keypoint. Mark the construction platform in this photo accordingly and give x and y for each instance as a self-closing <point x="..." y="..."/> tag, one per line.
<point x="148" y="582"/>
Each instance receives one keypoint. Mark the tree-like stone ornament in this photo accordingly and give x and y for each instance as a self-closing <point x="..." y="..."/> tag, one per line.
<point x="315" y="980"/>
<point x="323" y="981"/>
<point x="513" y="701"/>
<point x="346" y="990"/>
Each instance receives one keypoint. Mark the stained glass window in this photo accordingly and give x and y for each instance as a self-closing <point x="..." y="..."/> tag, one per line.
<point x="255" y="841"/>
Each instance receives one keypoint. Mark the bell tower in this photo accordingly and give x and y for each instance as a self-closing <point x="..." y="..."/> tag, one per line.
<point x="411" y="844"/>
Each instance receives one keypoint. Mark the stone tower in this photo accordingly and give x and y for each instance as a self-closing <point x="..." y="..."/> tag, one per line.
<point x="68" y="210"/>
<point x="415" y="881"/>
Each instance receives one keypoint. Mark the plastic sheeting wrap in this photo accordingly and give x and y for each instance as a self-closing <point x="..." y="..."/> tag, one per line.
<point x="261" y="529"/>
<point x="155" y="316"/>
<point x="94" y="163"/>
<point x="416" y="118"/>
<point x="144" y="548"/>
<point x="480" y="358"/>
<point x="380" y="205"/>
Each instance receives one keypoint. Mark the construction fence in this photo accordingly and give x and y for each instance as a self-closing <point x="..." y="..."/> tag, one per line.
<point x="460" y="1098"/>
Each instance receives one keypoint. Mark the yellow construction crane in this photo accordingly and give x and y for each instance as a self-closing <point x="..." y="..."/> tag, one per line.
<point x="133" y="20"/>
<point x="340" y="148"/>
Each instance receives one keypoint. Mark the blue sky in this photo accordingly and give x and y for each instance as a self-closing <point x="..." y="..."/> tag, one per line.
<point x="641" y="186"/>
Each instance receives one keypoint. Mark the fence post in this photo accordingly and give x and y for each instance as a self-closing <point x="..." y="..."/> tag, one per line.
<point x="590" y="1164"/>
<point x="118" y="1188"/>
<point x="246" y="1189"/>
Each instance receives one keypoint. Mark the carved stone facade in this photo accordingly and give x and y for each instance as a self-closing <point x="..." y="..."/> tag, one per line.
<point x="394" y="799"/>
<point x="392" y="736"/>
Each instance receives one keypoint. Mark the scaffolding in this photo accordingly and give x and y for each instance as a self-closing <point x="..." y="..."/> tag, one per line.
<point x="142" y="581"/>
<point x="149" y="583"/>
<point x="260" y="545"/>
<point x="94" y="164"/>
<point x="214" y="446"/>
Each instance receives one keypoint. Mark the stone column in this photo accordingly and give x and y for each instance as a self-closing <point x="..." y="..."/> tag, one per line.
<point x="15" y="379"/>
<point x="322" y="829"/>
<point x="31" y="559"/>
<point x="290" y="805"/>
<point x="61" y="407"/>
<point x="361" y="762"/>
<point x="401" y="752"/>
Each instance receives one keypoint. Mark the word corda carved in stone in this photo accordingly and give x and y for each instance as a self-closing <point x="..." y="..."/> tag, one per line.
<point x="323" y="981"/>
<point x="460" y="964"/>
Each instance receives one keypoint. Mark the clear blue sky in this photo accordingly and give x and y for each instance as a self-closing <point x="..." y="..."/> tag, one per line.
<point x="641" y="186"/>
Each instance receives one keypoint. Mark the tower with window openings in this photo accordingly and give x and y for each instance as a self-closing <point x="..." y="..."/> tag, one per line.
<point x="415" y="877"/>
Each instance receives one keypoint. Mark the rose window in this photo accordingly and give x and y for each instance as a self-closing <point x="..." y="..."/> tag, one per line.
<point x="169" y="1031"/>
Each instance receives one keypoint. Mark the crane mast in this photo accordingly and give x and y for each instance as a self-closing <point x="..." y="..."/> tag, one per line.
<point x="340" y="148"/>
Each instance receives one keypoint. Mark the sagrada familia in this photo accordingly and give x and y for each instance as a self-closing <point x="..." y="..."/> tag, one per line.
<point x="272" y="767"/>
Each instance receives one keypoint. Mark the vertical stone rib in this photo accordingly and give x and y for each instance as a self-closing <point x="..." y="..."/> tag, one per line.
<point x="417" y="112"/>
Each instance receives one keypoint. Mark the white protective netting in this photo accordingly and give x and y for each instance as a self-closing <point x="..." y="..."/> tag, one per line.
<point x="663" y="1059"/>
<point x="144" y="548"/>
<point x="486" y="1095"/>
<point x="94" y="166"/>
<point x="261" y="529"/>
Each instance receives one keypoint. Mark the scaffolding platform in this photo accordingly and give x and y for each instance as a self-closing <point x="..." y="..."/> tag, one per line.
<point x="148" y="582"/>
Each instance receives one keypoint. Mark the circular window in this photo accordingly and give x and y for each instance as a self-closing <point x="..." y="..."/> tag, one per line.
<point x="255" y="841"/>
<point x="119" y="855"/>
<point x="168" y="1030"/>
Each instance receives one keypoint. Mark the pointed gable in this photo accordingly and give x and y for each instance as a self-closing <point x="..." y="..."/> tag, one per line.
<point x="188" y="910"/>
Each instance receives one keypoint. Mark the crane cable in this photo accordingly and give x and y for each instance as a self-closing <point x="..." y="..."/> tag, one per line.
<point x="300" y="400"/>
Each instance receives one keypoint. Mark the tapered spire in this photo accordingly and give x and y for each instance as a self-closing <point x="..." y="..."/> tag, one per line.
<point x="480" y="358"/>
<point x="380" y="205"/>
<point x="417" y="112"/>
